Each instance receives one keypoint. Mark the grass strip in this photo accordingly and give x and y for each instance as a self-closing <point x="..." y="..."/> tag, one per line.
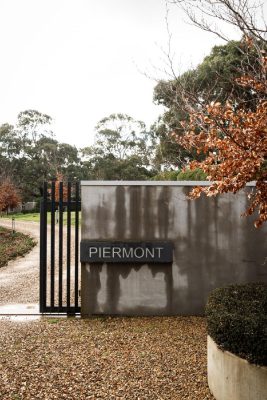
<point x="35" y="217"/>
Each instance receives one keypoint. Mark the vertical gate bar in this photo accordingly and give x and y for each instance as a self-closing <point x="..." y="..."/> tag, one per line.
<point x="60" y="244"/>
<point x="68" y="242"/>
<point x="77" y="186"/>
<point x="52" y="264"/>
<point x="41" y="273"/>
<point x="45" y="243"/>
<point x="44" y="248"/>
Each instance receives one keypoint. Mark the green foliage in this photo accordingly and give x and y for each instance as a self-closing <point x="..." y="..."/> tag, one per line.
<point x="166" y="176"/>
<point x="35" y="217"/>
<point x="27" y="216"/>
<point x="32" y="125"/>
<point x="168" y="154"/>
<point x="13" y="245"/>
<point x="122" y="150"/>
<point x="237" y="320"/>
<point x="192" y="175"/>
<point x="29" y="154"/>
<point x="212" y="80"/>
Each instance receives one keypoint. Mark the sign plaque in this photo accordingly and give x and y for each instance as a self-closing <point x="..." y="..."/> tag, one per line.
<point x="125" y="252"/>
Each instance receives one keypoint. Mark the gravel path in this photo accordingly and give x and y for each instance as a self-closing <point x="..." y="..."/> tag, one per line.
<point x="19" y="280"/>
<point x="99" y="358"/>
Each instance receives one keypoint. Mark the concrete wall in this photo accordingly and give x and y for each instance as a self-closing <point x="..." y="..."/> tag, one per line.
<point x="233" y="378"/>
<point x="213" y="246"/>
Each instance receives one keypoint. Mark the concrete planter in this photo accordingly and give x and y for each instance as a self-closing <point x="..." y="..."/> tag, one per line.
<point x="231" y="377"/>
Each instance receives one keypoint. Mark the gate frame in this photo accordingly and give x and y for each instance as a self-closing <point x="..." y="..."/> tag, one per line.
<point x="50" y="204"/>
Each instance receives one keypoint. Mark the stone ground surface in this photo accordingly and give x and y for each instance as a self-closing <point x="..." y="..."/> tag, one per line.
<point x="98" y="358"/>
<point x="19" y="280"/>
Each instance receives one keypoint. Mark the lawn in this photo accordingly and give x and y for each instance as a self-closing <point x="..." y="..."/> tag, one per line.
<point x="35" y="217"/>
<point x="13" y="245"/>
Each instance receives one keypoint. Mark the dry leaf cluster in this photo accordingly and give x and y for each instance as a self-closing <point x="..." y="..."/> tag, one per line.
<point x="233" y="141"/>
<point x="9" y="195"/>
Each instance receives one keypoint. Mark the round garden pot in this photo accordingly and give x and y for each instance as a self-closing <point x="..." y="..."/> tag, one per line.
<point x="232" y="377"/>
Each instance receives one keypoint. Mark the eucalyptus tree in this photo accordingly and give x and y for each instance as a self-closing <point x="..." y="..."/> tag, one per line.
<point x="123" y="150"/>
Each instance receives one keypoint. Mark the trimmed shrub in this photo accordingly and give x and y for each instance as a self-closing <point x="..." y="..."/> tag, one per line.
<point x="237" y="320"/>
<point x="192" y="175"/>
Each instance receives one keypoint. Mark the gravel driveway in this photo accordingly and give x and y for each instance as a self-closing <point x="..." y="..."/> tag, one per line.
<point x="19" y="280"/>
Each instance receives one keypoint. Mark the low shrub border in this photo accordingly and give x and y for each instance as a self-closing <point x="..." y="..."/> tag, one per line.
<point x="13" y="245"/>
<point x="237" y="320"/>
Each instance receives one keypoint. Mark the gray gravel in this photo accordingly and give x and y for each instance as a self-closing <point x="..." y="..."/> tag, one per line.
<point x="19" y="280"/>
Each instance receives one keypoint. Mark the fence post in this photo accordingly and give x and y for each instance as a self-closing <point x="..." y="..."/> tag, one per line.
<point x="77" y="195"/>
<point x="52" y="245"/>
<point x="68" y="243"/>
<point x="43" y="250"/>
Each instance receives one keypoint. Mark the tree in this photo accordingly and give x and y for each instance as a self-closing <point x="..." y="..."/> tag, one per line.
<point x="32" y="125"/>
<point x="30" y="154"/>
<point x="241" y="15"/>
<point x="231" y="135"/>
<point x="9" y="195"/>
<point x="122" y="150"/>
<point x="235" y="144"/>
<point x="60" y="178"/>
<point x="213" y="80"/>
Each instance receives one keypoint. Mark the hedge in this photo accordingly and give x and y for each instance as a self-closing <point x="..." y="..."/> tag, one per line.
<point x="166" y="176"/>
<point x="178" y="175"/>
<point x="192" y="175"/>
<point x="237" y="320"/>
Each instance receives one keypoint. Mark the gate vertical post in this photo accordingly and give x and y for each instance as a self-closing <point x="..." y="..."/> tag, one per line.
<point x="41" y="272"/>
<point x="76" y="279"/>
<point x="68" y="243"/>
<point x="43" y="250"/>
<point x="60" y="244"/>
<point x="52" y="242"/>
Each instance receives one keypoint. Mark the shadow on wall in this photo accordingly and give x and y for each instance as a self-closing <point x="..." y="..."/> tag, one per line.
<point x="213" y="246"/>
<point x="107" y="279"/>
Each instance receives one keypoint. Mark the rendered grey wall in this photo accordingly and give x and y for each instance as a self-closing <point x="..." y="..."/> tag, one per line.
<point x="213" y="246"/>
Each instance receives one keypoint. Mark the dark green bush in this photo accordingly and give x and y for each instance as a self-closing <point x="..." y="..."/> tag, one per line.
<point x="192" y="175"/>
<point x="166" y="176"/>
<point x="237" y="320"/>
<point x="178" y="175"/>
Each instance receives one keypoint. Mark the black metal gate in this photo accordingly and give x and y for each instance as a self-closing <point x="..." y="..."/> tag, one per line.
<point x="59" y="248"/>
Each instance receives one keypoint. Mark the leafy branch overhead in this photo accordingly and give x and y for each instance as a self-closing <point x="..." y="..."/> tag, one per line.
<point x="234" y="142"/>
<point x="230" y="133"/>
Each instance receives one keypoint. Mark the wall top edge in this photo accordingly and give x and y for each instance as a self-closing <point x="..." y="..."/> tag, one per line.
<point x="150" y="183"/>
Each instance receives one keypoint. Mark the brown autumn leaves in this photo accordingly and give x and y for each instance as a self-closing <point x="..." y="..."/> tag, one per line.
<point x="9" y="195"/>
<point x="233" y="142"/>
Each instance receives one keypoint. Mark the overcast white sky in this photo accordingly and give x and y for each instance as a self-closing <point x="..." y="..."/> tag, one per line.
<point x="80" y="60"/>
